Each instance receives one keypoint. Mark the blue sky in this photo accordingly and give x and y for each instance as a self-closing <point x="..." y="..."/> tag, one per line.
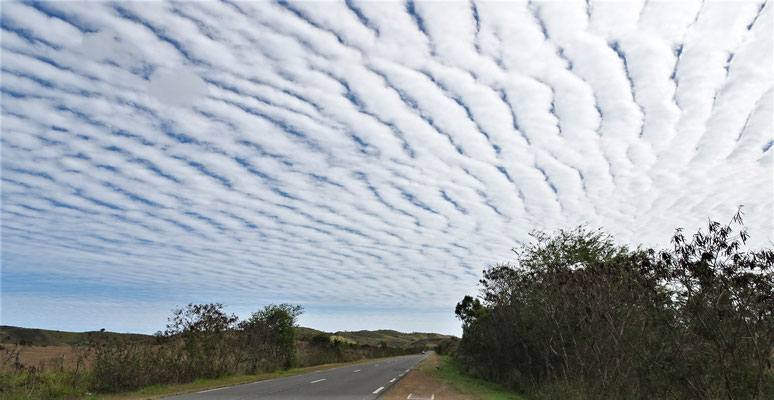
<point x="365" y="160"/>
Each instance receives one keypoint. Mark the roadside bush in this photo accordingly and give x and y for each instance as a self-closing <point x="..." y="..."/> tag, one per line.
<point x="122" y="365"/>
<point x="581" y="316"/>
<point x="447" y="347"/>
<point x="201" y="341"/>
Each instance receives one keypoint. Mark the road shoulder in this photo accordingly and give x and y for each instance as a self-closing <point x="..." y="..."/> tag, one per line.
<point x="436" y="378"/>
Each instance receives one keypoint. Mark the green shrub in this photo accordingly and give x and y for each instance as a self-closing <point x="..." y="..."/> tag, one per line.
<point x="320" y="339"/>
<point x="447" y="347"/>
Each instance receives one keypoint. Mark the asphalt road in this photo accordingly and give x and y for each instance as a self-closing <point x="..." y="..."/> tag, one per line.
<point x="367" y="380"/>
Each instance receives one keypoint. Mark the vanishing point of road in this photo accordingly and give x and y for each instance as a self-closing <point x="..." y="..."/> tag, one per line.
<point x="367" y="380"/>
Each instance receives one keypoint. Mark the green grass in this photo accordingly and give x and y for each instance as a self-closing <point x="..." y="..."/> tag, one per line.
<point x="448" y="372"/>
<point x="342" y="339"/>
<point x="46" y="385"/>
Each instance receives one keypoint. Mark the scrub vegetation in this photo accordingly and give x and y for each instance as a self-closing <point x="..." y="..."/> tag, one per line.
<point x="201" y="341"/>
<point x="579" y="316"/>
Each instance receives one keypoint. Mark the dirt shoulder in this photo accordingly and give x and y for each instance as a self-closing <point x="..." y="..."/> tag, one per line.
<point x="421" y="383"/>
<point x="438" y="378"/>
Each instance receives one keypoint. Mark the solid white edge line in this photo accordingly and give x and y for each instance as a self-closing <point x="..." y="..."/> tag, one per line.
<point x="319" y="380"/>
<point x="378" y="390"/>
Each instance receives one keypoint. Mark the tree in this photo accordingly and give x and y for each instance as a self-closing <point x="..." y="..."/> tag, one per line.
<point x="199" y="318"/>
<point x="469" y="310"/>
<point x="725" y="301"/>
<point x="203" y="330"/>
<point x="279" y="322"/>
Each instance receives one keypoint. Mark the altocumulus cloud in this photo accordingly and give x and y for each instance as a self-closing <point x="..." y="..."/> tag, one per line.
<point x="364" y="159"/>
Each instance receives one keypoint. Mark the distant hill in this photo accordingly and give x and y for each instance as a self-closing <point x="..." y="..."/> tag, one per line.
<point x="44" y="337"/>
<point x="374" y="338"/>
<point x="306" y="334"/>
<point x="394" y="338"/>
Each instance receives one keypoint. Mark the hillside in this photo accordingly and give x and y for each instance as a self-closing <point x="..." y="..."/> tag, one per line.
<point x="306" y="334"/>
<point x="394" y="338"/>
<point x="44" y="337"/>
<point x="374" y="338"/>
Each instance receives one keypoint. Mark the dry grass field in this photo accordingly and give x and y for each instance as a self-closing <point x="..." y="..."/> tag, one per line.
<point x="47" y="356"/>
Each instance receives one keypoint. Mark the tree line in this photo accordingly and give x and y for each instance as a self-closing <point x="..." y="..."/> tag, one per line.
<point x="580" y="316"/>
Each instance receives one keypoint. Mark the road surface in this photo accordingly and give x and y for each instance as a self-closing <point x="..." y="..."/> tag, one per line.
<point x="367" y="380"/>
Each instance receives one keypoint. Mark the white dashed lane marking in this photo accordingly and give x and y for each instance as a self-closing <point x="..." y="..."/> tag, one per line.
<point x="319" y="380"/>
<point x="211" y="390"/>
<point x="378" y="390"/>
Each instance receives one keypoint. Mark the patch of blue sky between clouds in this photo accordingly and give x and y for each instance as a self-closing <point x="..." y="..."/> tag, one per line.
<point x="363" y="159"/>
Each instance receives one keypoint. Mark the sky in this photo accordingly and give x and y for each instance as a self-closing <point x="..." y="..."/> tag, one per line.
<point x="366" y="160"/>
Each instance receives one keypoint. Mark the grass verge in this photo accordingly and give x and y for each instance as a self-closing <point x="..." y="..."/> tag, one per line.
<point x="446" y="371"/>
